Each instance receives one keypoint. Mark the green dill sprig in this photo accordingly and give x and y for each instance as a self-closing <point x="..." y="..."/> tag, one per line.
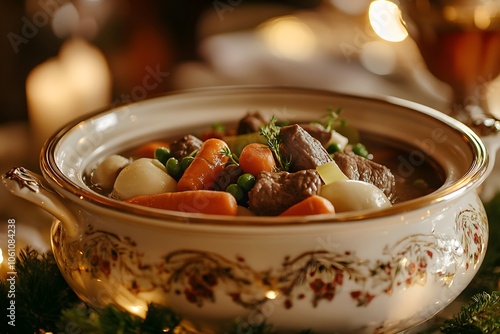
<point x="271" y="132"/>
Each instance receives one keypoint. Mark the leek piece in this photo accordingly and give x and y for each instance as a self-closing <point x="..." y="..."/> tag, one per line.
<point x="330" y="172"/>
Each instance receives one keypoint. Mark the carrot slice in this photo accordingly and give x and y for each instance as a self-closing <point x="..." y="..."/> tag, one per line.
<point x="194" y="201"/>
<point x="148" y="150"/>
<point x="255" y="158"/>
<point x="312" y="205"/>
<point x="206" y="165"/>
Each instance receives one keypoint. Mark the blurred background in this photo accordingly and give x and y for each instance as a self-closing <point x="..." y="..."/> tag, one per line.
<point x="62" y="59"/>
<point x="124" y="50"/>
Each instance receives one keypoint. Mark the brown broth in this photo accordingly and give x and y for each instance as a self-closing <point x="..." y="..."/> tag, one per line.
<point x="416" y="174"/>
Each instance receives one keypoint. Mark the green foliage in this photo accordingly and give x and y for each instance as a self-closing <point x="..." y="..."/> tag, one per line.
<point x="482" y="315"/>
<point x="159" y="319"/>
<point x="79" y="319"/>
<point x="111" y="320"/>
<point x="40" y="296"/>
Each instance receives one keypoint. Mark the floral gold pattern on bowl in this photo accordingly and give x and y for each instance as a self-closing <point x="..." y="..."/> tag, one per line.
<point x="316" y="276"/>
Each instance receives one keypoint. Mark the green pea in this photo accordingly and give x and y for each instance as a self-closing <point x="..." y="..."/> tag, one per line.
<point x="185" y="162"/>
<point x="174" y="168"/>
<point x="246" y="181"/>
<point x="236" y="191"/>
<point x="334" y="148"/>
<point x="360" y="150"/>
<point x="162" y="154"/>
<point x="420" y="183"/>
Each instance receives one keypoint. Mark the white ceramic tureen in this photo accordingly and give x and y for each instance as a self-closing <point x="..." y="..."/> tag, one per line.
<point x="362" y="272"/>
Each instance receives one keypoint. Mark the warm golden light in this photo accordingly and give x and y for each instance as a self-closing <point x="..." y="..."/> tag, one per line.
<point x="289" y="37"/>
<point x="271" y="294"/>
<point x="139" y="310"/>
<point x="385" y="19"/>
<point x="450" y="13"/>
<point x="352" y="7"/>
<point x="482" y="17"/>
<point x="1" y="256"/>
<point x="378" y="57"/>
<point x="62" y="88"/>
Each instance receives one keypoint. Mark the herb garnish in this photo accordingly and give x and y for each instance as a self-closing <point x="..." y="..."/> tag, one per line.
<point x="333" y="119"/>
<point x="226" y="152"/>
<point x="272" y="133"/>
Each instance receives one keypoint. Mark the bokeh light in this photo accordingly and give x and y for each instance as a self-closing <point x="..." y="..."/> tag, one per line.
<point x="289" y="37"/>
<point x="378" y="57"/>
<point x="386" y="21"/>
<point x="351" y="7"/>
<point x="65" y="21"/>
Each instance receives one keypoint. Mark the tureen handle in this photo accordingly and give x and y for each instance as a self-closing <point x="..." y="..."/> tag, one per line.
<point x="33" y="188"/>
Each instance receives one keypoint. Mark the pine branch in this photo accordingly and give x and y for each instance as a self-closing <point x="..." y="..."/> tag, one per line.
<point x="159" y="319"/>
<point x="79" y="319"/>
<point x="41" y="293"/>
<point x="114" y="320"/>
<point x="482" y="315"/>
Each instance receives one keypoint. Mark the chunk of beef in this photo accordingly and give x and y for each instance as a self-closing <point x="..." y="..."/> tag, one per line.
<point x="228" y="175"/>
<point x="318" y="132"/>
<point x="274" y="192"/>
<point x="250" y="123"/>
<point x="359" y="168"/>
<point x="185" y="146"/>
<point x="305" y="151"/>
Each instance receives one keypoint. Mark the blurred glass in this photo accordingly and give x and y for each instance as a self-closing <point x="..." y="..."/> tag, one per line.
<point x="460" y="42"/>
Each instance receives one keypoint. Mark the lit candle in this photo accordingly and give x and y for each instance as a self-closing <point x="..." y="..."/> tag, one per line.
<point x="51" y="100"/>
<point x="66" y="87"/>
<point x="87" y="70"/>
